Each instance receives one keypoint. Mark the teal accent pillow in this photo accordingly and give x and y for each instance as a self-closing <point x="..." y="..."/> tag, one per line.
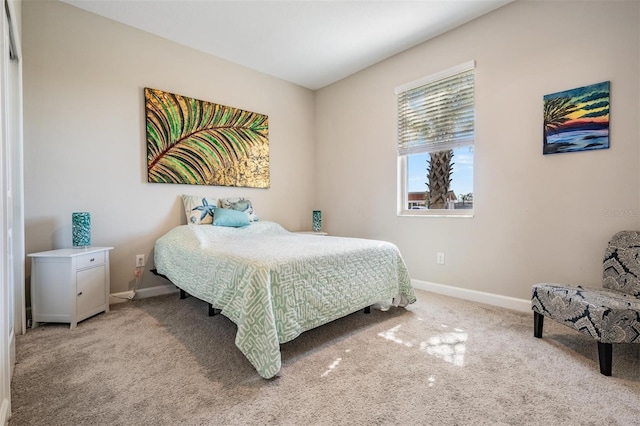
<point x="230" y="217"/>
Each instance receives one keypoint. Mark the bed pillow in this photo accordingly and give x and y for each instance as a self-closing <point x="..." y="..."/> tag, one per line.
<point x="198" y="209"/>
<point x="230" y="217"/>
<point x="240" y="204"/>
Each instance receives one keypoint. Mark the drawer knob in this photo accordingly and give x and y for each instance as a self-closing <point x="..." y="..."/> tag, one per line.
<point x="92" y="259"/>
<point x="80" y="294"/>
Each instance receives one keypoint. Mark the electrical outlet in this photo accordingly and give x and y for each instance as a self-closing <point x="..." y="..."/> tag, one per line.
<point x="440" y="258"/>
<point x="139" y="260"/>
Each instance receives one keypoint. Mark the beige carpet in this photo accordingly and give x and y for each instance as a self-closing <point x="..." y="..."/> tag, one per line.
<point x="442" y="361"/>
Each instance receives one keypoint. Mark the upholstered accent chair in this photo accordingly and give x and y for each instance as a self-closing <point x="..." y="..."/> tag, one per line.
<point x="610" y="314"/>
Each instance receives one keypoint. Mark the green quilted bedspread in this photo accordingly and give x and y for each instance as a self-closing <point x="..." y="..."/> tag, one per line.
<point x="274" y="284"/>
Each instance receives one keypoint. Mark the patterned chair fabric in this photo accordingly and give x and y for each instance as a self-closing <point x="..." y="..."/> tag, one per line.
<point x="610" y="314"/>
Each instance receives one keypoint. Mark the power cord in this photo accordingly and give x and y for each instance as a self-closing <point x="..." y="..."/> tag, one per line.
<point x="137" y="272"/>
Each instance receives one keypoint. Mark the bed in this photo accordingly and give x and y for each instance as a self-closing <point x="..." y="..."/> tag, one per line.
<point x="275" y="284"/>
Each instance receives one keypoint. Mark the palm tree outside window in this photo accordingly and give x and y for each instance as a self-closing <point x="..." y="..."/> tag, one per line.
<point x="435" y="143"/>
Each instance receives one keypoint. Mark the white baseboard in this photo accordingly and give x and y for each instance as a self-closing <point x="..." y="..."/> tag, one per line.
<point x="142" y="293"/>
<point x="4" y="411"/>
<point x="123" y="296"/>
<point x="522" y="305"/>
<point x="158" y="290"/>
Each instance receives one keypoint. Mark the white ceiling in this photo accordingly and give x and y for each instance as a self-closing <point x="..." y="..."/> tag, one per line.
<point x="312" y="43"/>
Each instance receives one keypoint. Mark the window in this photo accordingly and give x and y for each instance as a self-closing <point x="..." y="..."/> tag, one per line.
<point x="435" y="143"/>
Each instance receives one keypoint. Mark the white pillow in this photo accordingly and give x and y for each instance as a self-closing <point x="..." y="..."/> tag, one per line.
<point x="241" y="204"/>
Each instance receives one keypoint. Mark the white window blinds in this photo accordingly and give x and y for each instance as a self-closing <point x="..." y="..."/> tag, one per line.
<point x="436" y="113"/>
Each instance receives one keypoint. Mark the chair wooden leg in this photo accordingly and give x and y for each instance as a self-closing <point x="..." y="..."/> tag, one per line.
<point x="538" y="323"/>
<point x="605" y="355"/>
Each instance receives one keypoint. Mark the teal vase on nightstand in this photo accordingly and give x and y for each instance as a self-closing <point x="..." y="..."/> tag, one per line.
<point x="317" y="220"/>
<point x="81" y="229"/>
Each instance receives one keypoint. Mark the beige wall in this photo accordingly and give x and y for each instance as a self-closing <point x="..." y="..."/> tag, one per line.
<point x="537" y="218"/>
<point x="84" y="137"/>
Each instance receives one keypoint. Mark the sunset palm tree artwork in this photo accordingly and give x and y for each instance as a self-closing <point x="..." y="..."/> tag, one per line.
<point x="577" y="119"/>
<point x="195" y="142"/>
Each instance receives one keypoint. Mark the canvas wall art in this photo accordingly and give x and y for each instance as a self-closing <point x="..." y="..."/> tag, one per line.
<point x="195" y="142"/>
<point x="577" y="119"/>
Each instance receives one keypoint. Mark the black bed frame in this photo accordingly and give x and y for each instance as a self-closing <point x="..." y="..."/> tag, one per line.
<point x="183" y="294"/>
<point x="213" y="311"/>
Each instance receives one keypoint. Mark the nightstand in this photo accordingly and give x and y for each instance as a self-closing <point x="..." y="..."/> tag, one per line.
<point x="69" y="285"/>
<point x="319" y="233"/>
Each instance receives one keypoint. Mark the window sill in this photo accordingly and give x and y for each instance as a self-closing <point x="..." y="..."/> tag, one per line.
<point x="436" y="213"/>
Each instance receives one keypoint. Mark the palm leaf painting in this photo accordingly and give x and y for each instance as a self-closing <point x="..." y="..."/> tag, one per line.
<point x="577" y="119"/>
<point x="195" y="142"/>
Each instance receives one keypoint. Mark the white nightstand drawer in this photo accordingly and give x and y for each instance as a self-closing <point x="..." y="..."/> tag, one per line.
<point x="91" y="259"/>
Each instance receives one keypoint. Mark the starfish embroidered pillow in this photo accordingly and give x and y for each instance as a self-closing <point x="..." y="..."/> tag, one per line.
<point x="199" y="209"/>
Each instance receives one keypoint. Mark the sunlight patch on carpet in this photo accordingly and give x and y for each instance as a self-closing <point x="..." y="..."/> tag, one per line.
<point x="450" y="346"/>
<point x="432" y="380"/>
<point x="333" y="365"/>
